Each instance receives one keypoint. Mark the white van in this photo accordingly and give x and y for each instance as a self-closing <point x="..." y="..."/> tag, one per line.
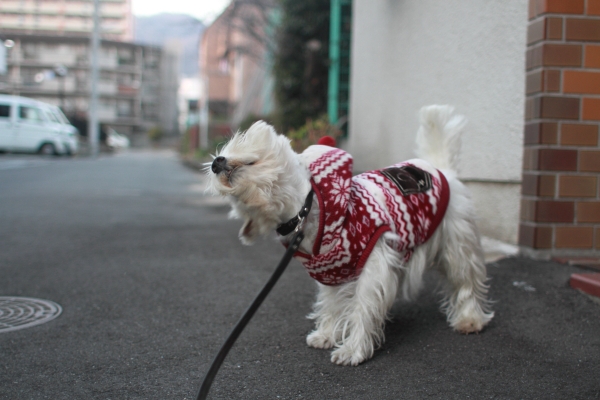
<point x="70" y="134"/>
<point x="32" y="126"/>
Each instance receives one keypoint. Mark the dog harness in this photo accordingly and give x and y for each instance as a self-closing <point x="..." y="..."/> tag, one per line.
<point x="413" y="197"/>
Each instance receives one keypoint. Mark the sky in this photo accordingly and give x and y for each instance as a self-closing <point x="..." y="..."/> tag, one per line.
<point x="204" y="10"/>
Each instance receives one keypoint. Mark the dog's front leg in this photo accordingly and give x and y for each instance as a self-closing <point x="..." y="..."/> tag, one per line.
<point x="326" y="312"/>
<point x="361" y="325"/>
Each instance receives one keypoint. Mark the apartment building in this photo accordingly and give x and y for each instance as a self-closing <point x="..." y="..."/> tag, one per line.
<point x="67" y="17"/>
<point x="137" y="86"/>
<point x="48" y="58"/>
<point x="235" y="66"/>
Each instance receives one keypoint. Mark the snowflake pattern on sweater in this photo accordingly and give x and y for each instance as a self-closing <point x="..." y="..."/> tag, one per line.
<point x="352" y="219"/>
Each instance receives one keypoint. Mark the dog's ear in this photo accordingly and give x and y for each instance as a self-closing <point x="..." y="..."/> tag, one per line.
<point x="248" y="233"/>
<point x="261" y="132"/>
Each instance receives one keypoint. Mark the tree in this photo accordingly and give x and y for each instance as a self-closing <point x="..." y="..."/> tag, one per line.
<point x="250" y="21"/>
<point x="301" y="62"/>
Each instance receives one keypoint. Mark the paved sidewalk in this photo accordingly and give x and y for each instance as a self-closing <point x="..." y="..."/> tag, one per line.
<point x="151" y="277"/>
<point x="544" y="343"/>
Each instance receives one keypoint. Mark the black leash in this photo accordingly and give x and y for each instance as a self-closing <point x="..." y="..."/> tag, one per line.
<point x="239" y="327"/>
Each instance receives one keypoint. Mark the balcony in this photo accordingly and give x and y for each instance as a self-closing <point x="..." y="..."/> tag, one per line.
<point x="127" y="90"/>
<point x="107" y="88"/>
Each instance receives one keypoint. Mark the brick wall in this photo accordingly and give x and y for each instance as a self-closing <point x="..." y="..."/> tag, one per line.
<point x="560" y="210"/>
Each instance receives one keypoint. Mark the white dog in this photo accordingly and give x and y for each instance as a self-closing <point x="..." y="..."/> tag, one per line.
<point x="367" y="237"/>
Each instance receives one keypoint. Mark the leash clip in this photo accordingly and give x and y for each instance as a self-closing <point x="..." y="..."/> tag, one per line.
<point x="303" y="214"/>
<point x="300" y="224"/>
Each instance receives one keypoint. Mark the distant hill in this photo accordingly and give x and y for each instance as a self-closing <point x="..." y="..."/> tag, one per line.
<point x="162" y="28"/>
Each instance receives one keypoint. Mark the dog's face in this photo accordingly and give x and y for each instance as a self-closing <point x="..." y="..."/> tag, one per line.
<point x="247" y="164"/>
<point x="251" y="171"/>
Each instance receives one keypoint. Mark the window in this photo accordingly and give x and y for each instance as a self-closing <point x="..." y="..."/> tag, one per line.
<point x="61" y="117"/>
<point x="30" y="51"/>
<point x="124" y="108"/>
<point x="52" y="117"/>
<point x="4" y="110"/>
<point x="30" y="114"/>
<point x="125" y="57"/>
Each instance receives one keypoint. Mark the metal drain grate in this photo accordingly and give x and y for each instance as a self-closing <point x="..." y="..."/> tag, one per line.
<point x="24" y="312"/>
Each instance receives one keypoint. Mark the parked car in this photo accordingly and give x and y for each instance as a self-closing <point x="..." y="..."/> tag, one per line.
<point x="32" y="126"/>
<point x="69" y="132"/>
<point x="115" y="141"/>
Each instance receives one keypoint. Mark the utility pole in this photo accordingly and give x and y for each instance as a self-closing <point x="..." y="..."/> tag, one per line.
<point x="203" y="115"/>
<point x="93" y="103"/>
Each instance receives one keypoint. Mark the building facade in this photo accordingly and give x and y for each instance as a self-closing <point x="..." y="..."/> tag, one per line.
<point x="235" y="67"/>
<point x="67" y="17"/>
<point x="137" y="85"/>
<point x="525" y="74"/>
<point x="469" y="54"/>
<point x="560" y="209"/>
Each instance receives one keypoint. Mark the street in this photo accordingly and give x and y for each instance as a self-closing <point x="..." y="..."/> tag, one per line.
<point x="151" y="277"/>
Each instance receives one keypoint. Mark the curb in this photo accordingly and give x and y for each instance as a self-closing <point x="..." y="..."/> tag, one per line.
<point x="588" y="283"/>
<point x="582" y="262"/>
<point x="194" y="165"/>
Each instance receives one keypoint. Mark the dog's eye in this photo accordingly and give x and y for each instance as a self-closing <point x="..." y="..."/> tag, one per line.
<point x="251" y="163"/>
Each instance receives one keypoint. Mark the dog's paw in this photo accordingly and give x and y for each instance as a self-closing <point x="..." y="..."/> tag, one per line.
<point x="248" y="233"/>
<point x="469" y="325"/>
<point x="345" y="356"/>
<point x="319" y="341"/>
<point x="246" y="241"/>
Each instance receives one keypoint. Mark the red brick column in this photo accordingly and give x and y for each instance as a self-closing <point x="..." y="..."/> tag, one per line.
<point x="560" y="208"/>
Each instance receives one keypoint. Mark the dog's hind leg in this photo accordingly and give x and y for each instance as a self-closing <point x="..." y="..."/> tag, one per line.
<point x="466" y="305"/>
<point x="360" y="327"/>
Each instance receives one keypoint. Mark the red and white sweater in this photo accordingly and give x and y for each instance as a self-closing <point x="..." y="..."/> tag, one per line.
<point x="352" y="219"/>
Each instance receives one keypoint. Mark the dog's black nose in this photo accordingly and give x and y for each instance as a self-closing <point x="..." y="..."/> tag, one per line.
<point x="219" y="164"/>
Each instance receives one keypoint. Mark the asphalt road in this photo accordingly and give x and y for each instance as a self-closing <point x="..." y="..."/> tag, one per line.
<point x="151" y="278"/>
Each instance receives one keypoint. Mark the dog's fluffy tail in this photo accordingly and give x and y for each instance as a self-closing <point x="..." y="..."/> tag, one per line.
<point x="438" y="138"/>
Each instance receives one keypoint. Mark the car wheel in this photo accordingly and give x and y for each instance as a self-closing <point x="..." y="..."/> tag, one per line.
<point x="47" y="149"/>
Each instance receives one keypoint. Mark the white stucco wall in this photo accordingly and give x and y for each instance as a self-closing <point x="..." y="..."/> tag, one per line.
<point x="467" y="53"/>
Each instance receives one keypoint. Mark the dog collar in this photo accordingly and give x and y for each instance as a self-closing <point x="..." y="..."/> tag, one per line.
<point x="286" y="228"/>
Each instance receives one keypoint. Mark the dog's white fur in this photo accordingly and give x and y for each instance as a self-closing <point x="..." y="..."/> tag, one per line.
<point x="267" y="182"/>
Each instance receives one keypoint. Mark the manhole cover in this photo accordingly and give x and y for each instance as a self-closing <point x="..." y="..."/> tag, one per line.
<point x="23" y="312"/>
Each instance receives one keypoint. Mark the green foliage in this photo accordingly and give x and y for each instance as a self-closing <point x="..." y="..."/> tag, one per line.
<point x="184" y="142"/>
<point x="252" y="118"/>
<point x="155" y="133"/>
<point x="187" y="152"/>
<point x="301" y="62"/>
<point x="310" y="133"/>
<point x="214" y="144"/>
